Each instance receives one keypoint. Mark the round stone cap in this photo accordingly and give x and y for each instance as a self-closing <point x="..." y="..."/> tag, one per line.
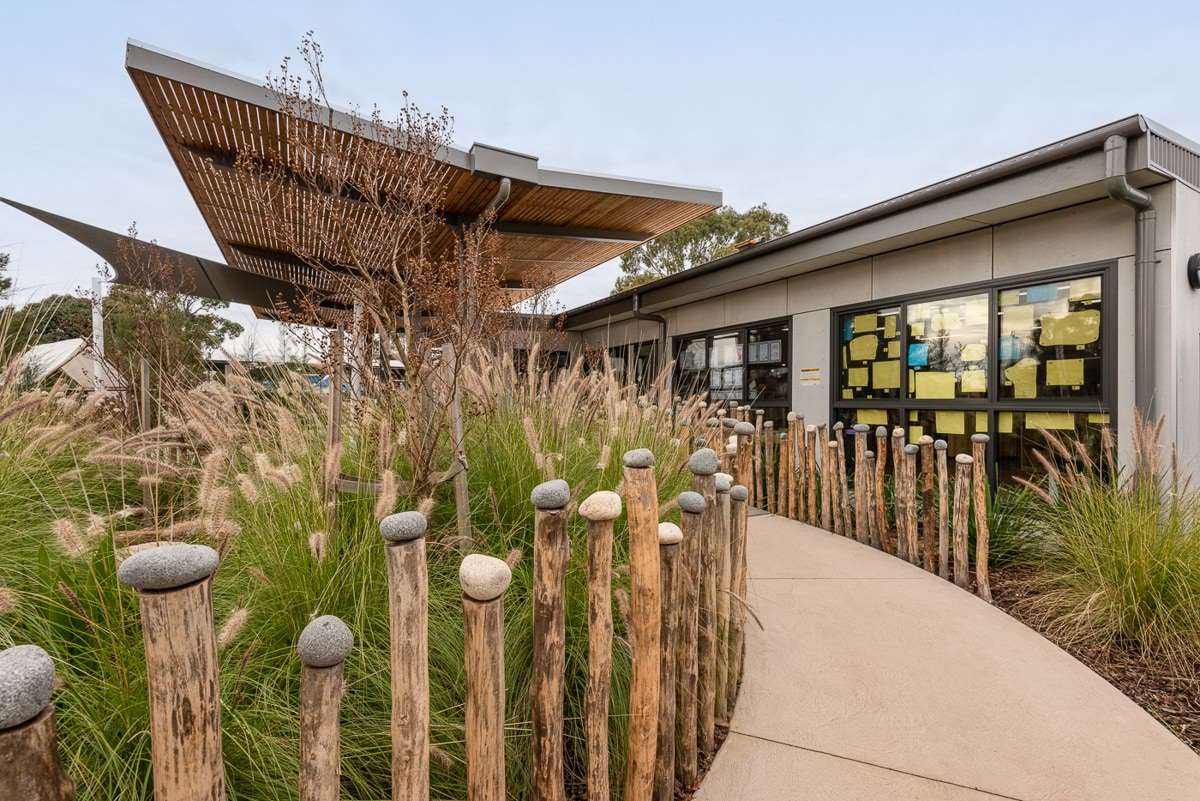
<point x="639" y="457"/>
<point x="403" y="526"/>
<point x="168" y="566"/>
<point x="484" y="577"/>
<point x="839" y="425"/>
<point x="881" y="431"/>
<point x="724" y="482"/>
<point x="739" y="493"/>
<point x="678" y="399"/>
<point x="728" y="478"/>
<point x="712" y="422"/>
<point x="704" y="462"/>
<point x="744" y="429"/>
<point x="910" y="448"/>
<point x="691" y="502"/>
<point x="26" y="682"/>
<point x="669" y="534"/>
<point x="728" y="422"/>
<point x="833" y="444"/>
<point x="551" y="494"/>
<point x="869" y="454"/>
<point x="759" y="412"/>
<point x="980" y="438"/>
<point x="769" y="424"/>
<point x="326" y="641"/>
<point x="897" y="432"/>
<point x="964" y="458"/>
<point x="861" y="428"/>
<point x="602" y="505"/>
<point x="940" y="445"/>
<point x="791" y="416"/>
<point x="810" y="428"/>
<point x="925" y="440"/>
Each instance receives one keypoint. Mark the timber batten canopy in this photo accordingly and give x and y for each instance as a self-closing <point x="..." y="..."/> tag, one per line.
<point x="555" y="223"/>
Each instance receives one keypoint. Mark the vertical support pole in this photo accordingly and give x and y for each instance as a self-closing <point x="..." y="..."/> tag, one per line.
<point x="724" y="482"/>
<point x="333" y="437"/>
<point x="551" y="552"/>
<point x="943" y="511"/>
<point x="738" y="512"/>
<point x="484" y="580"/>
<point x="323" y="647"/>
<point x="462" y="497"/>
<point x="174" y="584"/>
<point x="863" y="482"/>
<point x="962" y="508"/>
<point x="883" y="535"/>
<point x="691" y="517"/>
<point x="982" y="536"/>
<point x="99" y="371"/>
<point x="810" y="470"/>
<point x="669" y="538"/>
<point x="910" y="503"/>
<point x="899" y="471"/>
<point x="30" y="766"/>
<point x="704" y="465"/>
<point x="408" y="620"/>
<point x="600" y="509"/>
<point x="925" y="443"/>
<point x="641" y="500"/>
<point x="146" y="422"/>
<point x="358" y="353"/>
<point x="843" y="478"/>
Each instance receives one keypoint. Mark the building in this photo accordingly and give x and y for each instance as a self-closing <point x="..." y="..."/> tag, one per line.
<point x="1056" y="289"/>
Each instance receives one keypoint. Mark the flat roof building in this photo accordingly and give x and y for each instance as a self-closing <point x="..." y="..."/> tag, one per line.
<point x="1056" y="289"/>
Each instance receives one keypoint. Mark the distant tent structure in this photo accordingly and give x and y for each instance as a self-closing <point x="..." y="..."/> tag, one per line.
<point x="72" y="358"/>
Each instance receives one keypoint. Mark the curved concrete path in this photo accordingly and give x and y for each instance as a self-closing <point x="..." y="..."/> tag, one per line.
<point x="872" y="679"/>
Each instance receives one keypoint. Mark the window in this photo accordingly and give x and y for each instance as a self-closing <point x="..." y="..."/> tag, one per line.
<point x="634" y="363"/>
<point x="740" y="365"/>
<point x="1005" y="359"/>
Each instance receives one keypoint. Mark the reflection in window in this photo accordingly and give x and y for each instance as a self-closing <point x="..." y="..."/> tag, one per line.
<point x="1049" y="344"/>
<point x="948" y="348"/>
<point x="1017" y="437"/>
<point x="692" y="364"/>
<point x="870" y="354"/>
<point x="766" y="359"/>
<point x="725" y="370"/>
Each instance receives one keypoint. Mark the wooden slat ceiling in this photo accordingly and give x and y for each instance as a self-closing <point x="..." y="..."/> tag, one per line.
<point x="205" y="120"/>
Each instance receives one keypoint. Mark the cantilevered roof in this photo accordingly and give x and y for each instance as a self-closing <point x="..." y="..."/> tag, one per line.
<point x="557" y="222"/>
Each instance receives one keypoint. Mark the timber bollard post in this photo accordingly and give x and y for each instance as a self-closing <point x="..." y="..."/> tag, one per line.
<point x="30" y="766"/>
<point x="962" y="509"/>
<point x="810" y="450"/>
<point x="862" y="493"/>
<point x="704" y="466"/>
<point x="843" y="479"/>
<point x="712" y="432"/>
<point x="738" y="511"/>
<point x="600" y="509"/>
<point x="724" y="483"/>
<point x="551" y="551"/>
<point x="691" y="516"/>
<point x="943" y="511"/>
<point x="323" y="647"/>
<point x="174" y="584"/>
<point x="408" y="623"/>
<point x="910" y="503"/>
<point x="872" y="532"/>
<point x="898" y="471"/>
<point x="743" y="466"/>
<point x="770" y="446"/>
<point x="927" y="541"/>
<point x="669" y="538"/>
<point x="641" y="501"/>
<point x="829" y="491"/>
<point x="484" y="580"/>
<point x="882" y="530"/>
<point x="795" y="435"/>
<point x="982" y="536"/>
<point x="758" y="495"/>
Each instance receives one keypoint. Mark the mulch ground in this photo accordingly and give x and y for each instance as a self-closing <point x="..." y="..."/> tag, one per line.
<point x="1173" y="700"/>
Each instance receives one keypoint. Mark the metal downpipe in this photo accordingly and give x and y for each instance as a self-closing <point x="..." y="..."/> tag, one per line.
<point x="662" y="328"/>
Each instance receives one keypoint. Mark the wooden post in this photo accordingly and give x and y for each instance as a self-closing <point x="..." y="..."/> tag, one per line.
<point x="30" y="766"/>
<point x="641" y="500"/>
<point x="843" y="479"/>
<point x="871" y="520"/>
<point x="408" y="620"/>
<point x="927" y="538"/>
<point x="758" y="490"/>
<point x="600" y="509"/>
<point x="743" y="469"/>
<point x="899" y="470"/>
<point x="810" y="479"/>
<point x="323" y="647"/>
<point x="711" y="432"/>
<point x="669" y="538"/>
<point x="333" y="436"/>
<point x="724" y="483"/>
<point x="982" y="536"/>
<point x="738" y="510"/>
<point x="943" y="511"/>
<point x="882" y="531"/>
<point x="910" y="503"/>
<point x="962" y="508"/>
<point x="770" y="446"/>
<point x="704" y="465"/>
<point x="691" y="506"/>
<point x="174" y="584"/>
<point x="484" y="580"/>
<point x="863" y="481"/>
<point x="551" y="552"/>
<point x="794" y="435"/>
<point x="829" y="485"/>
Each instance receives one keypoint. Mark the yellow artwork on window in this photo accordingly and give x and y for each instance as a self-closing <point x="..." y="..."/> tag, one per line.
<point x="917" y="329"/>
<point x="981" y="422"/>
<point x="1023" y="376"/>
<point x="1016" y="318"/>
<point x="1070" y="328"/>
<point x="932" y="385"/>
<point x="975" y="312"/>
<point x="913" y="417"/>
<point x="974" y="381"/>
<point x="1010" y="297"/>
<point x="894" y="349"/>
<point x="1085" y="288"/>
<point x="1004" y="422"/>
<point x="873" y="417"/>
<point x="1064" y="372"/>
<point x="864" y="347"/>
<point x="889" y="327"/>
<point x="847" y="394"/>
<point x="885" y="375"/>
<point x="975" y="352"/>
<point x="858" y="376"/>
<point x="1050" y="421"/>
<point x="946" y="321"/>
<point x="864" y="323"/>
<point x="1098" y="419"/>
<point x="951" y="422"/>
<point x="915" y="433"/>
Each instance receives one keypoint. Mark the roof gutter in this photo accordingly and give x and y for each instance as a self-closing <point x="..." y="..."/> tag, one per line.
<point x="1145" y="267"/>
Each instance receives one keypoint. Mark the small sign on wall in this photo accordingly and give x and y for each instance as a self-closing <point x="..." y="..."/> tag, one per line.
<point x="810" y="376"/>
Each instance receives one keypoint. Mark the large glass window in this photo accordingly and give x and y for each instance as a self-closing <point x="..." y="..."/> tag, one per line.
<point x="1050" y="340"/>
<point x="948" y="348"/>
<point x="870" y="354"/>
<point x="739" y="365"/>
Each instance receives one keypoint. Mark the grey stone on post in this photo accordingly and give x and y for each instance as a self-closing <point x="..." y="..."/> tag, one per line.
<point x="26" y="682"/>
<point x="925" y="439"/>
<point x="602" y="505"/>
<point x="897" y="432"/>
<point x="811" y="427"/>
<point x="769" y="424"/>
<point x="168" y="566"/>
<point x="669" y="534"/>
<point x="791" y="417"/>
<point x="638" y="457"/>
<point x="984" y="438"/>
<point x="728" y="422"/>
<point x="940" y="445"/>
<point x="964" y="458"/>
<point x="551" y="494"/>
<point x="704" y="462"/>
<point x="861" y="428"/>
<point x="911" y="448"/>
<point x="484" y="577"/>
<point x="712" y="422"/>
<point x="869" y="454"/>
<point x="403" y="526"/>
<point x="739" y="493"/>
<point x="839" y="425"/>
<point x="744" y="429"/>
<point x="326" y="641"/>
<point x="724" y="482"/>
<point x="881" y="431"/>
<point x="692" y="502"/>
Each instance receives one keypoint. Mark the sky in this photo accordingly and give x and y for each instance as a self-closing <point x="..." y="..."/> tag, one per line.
<point x="816" y="109"/>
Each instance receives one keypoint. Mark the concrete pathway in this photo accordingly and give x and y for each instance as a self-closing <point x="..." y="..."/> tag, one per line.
<point x="872" y="679"/>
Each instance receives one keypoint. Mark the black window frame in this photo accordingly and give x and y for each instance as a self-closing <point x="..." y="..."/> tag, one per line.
<point x="743" y="334"/>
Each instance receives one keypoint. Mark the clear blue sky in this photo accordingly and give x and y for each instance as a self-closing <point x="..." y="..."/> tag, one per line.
<point x="815" y="109"/>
